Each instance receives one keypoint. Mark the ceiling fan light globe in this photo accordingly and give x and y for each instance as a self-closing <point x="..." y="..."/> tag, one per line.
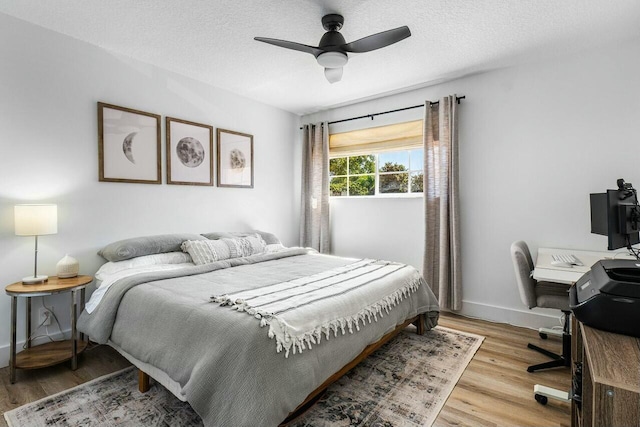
<point x="332" y="59"/>
<point x="333" y="75"/>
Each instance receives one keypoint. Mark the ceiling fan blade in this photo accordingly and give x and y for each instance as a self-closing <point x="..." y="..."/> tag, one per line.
<point x="377" y="41"/>
<point x="291" y="45"/>
<point x="333" y="75"/>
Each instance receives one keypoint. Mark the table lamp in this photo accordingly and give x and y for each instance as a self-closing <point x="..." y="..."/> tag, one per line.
<point x="35" y="220"/>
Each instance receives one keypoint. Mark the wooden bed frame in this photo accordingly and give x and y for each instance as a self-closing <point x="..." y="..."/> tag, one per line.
<point x="419" y="321"/>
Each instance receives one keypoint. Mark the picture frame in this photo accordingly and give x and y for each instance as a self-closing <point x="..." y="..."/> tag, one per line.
<point x="235" y="159"/>
<point x="128" y="145"/>
<point x="189" y="148"/>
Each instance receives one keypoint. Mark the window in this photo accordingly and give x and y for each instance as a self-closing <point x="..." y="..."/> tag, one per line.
<point x="377" y="161"/>
<point x="393" y="172"/>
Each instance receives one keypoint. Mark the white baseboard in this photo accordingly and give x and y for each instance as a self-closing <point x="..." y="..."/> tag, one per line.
<point x="533" y="319"/>
<point x="5" y="350"/>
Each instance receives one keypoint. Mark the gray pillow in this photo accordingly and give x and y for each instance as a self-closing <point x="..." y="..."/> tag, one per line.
<point x="269" y="238"/>
<point x="146" y="245"/>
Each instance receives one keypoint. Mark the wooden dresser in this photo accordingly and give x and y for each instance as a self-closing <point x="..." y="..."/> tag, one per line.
<point x="610" y="392"/>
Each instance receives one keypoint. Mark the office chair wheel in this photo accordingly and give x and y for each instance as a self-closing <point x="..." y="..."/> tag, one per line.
<point x="543" y="335"/>
<point x="541" y="399"/>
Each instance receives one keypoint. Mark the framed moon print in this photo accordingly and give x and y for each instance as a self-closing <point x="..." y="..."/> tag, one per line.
<point x="235" y="159"/>
<point x="128" y="145"/>
<point x="189" y="153"/>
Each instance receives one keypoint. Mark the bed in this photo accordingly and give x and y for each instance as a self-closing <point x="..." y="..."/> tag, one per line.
<point x="204" y="332"/>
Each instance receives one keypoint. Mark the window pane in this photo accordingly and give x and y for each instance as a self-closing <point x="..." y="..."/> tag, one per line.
<point x="394" y="161"/>
<point x="338" y="186"/>
<point x="416" y="159"/>
<point x="338" y="166"/>
<point x="362" y="164"/>
<point x="394" y="183"/>
<point x="417" y="182"/>
<point x="362" y="185"/>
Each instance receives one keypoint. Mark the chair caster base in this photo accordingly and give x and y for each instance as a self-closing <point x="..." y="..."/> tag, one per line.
<point x="545" y="332"/>
<point x="541" y="399"/>
<point x="542" y="394"/>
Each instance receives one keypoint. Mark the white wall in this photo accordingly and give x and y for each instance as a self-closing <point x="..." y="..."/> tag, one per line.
<point x="535" y="140"/>
<point x="49" y="86"/>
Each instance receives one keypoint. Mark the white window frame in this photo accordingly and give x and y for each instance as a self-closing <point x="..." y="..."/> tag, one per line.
<point x="377" y="174"/>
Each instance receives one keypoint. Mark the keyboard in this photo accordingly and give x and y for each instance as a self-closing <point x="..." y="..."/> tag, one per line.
<point x="566" y="259"/>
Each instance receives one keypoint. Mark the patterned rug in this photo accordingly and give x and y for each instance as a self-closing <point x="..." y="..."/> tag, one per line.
<point x="404" y="383"/>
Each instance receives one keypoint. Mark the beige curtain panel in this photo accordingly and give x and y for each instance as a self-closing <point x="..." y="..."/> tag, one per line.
<point x="314" y="212"/>
<point x="442" y="264"/>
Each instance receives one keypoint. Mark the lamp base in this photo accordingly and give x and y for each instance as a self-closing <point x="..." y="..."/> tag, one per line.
<point x="33" y="280"/>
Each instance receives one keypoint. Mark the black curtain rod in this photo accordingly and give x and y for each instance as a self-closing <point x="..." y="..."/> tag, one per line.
<point x="458" y="98"/>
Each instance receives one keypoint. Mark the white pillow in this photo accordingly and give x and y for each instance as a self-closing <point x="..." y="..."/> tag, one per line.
<point x="109" y="279"/>
<point x="110" y="268"/>
<point x="208" y="251"/>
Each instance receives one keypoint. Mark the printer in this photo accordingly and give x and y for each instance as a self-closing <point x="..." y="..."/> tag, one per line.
<point x="608" y="297"/>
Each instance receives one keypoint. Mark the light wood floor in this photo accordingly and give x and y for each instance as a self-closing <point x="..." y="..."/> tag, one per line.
<point x="495" y="389"/>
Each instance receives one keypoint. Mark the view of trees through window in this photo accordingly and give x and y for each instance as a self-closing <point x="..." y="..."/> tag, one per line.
<point x="374" y="174"/>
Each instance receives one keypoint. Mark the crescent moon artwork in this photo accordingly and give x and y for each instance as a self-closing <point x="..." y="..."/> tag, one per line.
<point x="190" y="152"/>
<point x="127" y="145"/>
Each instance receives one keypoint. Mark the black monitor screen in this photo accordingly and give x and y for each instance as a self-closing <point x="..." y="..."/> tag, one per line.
<point x="611" y="217"/>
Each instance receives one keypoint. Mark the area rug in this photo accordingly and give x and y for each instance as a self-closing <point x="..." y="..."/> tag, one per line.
<point x="404" y="383"/>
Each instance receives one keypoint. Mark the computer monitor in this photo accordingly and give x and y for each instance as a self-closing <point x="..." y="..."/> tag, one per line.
<point x="616" y="214"/>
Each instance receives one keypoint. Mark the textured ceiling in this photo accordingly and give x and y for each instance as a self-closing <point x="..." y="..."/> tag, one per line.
<point x="212" y="40"/>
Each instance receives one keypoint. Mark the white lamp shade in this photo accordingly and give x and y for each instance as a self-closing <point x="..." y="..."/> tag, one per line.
<point x="36" y="220"/>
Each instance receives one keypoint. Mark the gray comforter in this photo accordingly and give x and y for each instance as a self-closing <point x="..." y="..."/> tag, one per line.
<point x="225" y="363"/>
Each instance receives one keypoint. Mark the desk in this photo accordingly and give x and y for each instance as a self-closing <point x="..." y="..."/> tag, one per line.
<point x="609" y="379"/>
<point x="544" y="271"/>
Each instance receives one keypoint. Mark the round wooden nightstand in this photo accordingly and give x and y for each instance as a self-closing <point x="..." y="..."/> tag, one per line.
<point x="54" y="352"/>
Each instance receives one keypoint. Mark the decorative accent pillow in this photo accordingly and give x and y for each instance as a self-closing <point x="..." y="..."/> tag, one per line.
<point x="275" y="247"/>
<point x="146" y="245"/>
<point x="208" y="251"/>
<point x="245" y="246"/>
<point x="269" y="238"/>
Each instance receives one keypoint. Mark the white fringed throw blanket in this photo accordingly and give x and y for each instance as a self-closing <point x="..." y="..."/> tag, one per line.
<point x="299" y="312"/>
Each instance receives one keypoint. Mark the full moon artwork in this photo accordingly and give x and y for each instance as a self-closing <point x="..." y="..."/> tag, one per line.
<point x="237" y="159"/>
<point x="190" y="152"/>
<point x="127" y="145"/>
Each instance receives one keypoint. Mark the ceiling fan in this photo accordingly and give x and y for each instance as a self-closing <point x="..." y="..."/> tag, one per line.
<point x="332" y="52"/>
